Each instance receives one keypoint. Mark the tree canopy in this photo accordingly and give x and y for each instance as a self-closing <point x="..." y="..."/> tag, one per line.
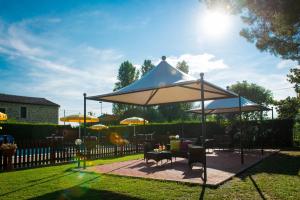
<point x="253" y="92"/>
<point x="294" y="78"/>
<point x="147" y="66"/>
<point x="127" y="75"/>
<point x="289" y="107"/>
<point x="183" y="66"/>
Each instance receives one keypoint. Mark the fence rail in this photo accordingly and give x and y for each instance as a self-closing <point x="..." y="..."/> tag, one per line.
<point x="45" y="153"/>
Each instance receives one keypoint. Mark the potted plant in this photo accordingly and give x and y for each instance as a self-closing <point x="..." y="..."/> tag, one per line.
<point x="8" y="149"/>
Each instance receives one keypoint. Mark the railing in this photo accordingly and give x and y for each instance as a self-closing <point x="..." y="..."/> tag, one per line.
<point x="44" y="153"/>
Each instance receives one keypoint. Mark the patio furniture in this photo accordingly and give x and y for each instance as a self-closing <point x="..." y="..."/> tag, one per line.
<point x="148" y="146"/>
<point x="196" y="154"/>
<point x="165" y="84"/>
<point x="179" y="148"/>
<point x="158" y="156"/>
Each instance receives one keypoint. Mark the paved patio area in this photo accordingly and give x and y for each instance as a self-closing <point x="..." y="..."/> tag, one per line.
<point x="221" y="166"/>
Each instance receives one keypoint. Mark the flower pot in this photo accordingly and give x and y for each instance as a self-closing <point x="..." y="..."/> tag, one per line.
<point x="8" y="152"/>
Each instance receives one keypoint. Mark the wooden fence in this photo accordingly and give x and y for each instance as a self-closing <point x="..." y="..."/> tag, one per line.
<point x="44" y="153"/>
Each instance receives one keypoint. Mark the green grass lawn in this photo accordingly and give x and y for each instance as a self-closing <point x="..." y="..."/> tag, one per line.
<point x="277" y="177"/>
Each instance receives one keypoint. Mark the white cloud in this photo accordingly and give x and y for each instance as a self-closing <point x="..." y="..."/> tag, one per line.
<point x="287" y="64"/>
<point x="199" y="62"/>
<point x="58" y="71"/>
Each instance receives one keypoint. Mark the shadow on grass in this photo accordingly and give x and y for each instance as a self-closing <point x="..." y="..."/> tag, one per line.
<point x="257" y="188"/>
<point x="80" y="192"/>
<point x="37" y="182"/>
<point x="202" y="192"/>
<point x="280" y="163"/>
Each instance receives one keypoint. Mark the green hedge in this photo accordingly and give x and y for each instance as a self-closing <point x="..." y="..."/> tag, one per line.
<point x="280" y="136"/>
<point x="27" y="131"/>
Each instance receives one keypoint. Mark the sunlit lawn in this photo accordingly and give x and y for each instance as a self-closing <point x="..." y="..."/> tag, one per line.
<point x="277" y="177"/>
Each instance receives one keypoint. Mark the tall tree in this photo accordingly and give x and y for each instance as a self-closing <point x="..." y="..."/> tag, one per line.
<point x="289" y="107"/>
<point x="253" y="92"/>
<point x="127" y="74"/>
<point x="183" y="66"/>
<point x="273" y="25"/>
<point x="147" y="66"/>
<point x="294" y="78"/>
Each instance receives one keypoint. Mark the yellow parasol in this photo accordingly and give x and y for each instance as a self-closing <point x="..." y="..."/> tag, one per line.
<point x="3" y="116"/>
<point x="134" y="121"/>
<point x="98" y="127"/>
<point x="79" y="119"/>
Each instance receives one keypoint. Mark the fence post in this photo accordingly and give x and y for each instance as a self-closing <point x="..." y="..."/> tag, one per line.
<point x="52" y="152"/>
<point x="116" y="150"/>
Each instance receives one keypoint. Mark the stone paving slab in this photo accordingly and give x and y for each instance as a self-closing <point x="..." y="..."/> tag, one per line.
<point x="221" y="166"/>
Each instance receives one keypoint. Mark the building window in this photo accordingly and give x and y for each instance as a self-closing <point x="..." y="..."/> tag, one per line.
<point x="23" y="112"/>
<point x="2" y="110"/>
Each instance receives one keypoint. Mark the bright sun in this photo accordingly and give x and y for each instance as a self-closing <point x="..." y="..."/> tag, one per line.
<point x="215" y="23"/>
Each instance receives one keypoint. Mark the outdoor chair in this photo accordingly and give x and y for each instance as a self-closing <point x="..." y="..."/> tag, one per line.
<point x="179" y="148"/>
<point x="196" y="154"/>
<point x="148" y="146"/>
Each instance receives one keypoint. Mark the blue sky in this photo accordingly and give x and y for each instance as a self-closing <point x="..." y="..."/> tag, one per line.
<point x="61" y="49"/>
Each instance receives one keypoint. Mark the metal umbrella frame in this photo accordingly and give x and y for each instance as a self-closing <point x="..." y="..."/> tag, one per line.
<point x="165" y="84"/>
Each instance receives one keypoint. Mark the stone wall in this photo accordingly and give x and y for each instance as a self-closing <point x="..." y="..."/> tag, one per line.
<point x="35" y="113"/>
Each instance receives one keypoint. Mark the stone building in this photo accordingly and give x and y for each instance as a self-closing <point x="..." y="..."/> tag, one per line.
<point x="29" y="109"/>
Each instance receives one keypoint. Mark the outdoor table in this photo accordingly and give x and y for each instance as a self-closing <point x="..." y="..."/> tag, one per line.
<point x="158" y="156"/>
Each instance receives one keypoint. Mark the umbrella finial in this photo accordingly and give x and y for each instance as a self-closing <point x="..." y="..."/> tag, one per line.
<point x="164" y="58"/>
<point x="201" y="74"/>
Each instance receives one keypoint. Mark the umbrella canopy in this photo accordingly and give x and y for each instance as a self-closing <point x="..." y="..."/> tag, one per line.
<point x="3" y="116"/>
<point x="164" y="84"/>
<point x="98" y="127"/>
<point x="133" y="121"/>
<point x="79" y="118"/>
<point x="230" y="105"/>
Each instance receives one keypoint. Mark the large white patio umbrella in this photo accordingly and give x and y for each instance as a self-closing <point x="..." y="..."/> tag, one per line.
<point x="231" y="105"/>
<point x="162" y="85"/>
<point x="165" y="84"/>
<point x="133" y="121"/>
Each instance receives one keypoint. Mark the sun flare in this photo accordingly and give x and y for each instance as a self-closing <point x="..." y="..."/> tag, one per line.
<point x="215" y="23"/>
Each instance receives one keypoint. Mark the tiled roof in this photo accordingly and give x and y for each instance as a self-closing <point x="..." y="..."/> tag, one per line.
<point x="26" y="100"/>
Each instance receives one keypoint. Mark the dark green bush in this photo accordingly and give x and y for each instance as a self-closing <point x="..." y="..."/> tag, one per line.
<point x="280" y="132"/>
